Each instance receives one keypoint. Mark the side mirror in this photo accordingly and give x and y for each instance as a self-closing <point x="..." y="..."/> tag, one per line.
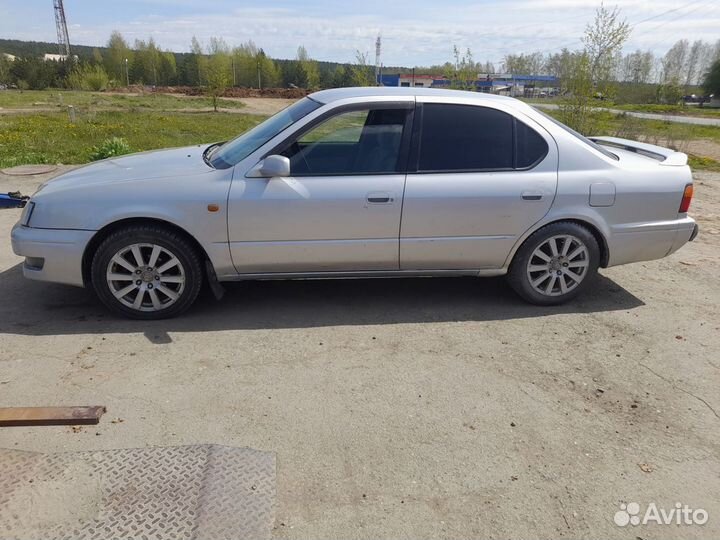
<point x="270" y="167"/>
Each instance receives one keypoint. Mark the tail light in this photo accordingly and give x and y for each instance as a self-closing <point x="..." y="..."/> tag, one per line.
<point x="687" y="197"/>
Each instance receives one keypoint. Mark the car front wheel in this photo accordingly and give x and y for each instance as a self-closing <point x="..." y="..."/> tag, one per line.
<point x="146" y="272"/>
<point x="555" y="264"/>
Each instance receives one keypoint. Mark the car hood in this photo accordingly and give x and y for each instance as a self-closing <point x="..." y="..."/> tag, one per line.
<point x="142" y="166"/>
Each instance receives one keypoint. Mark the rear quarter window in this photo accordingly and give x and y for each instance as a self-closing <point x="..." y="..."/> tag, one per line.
<point x="530" y="146"/>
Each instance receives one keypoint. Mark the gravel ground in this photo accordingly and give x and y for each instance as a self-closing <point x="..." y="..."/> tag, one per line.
<point x="408" y="408"/>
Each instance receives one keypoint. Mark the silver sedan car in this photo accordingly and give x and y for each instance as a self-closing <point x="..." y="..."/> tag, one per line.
<point x="362" y="182"/>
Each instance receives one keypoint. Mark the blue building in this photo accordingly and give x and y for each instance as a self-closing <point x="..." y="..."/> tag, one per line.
<point x="505" y="83"/>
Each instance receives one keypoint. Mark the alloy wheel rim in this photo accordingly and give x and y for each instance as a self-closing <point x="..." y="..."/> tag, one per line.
<point x="145" y="277"/>
<point x="558" y="265"/>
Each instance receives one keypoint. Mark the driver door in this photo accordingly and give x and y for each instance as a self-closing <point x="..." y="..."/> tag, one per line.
<point x="339" y="210"/>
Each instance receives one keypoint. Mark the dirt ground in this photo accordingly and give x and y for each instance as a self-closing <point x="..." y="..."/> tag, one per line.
<point x="408" y="408"/>
<point x="263" y="106"/>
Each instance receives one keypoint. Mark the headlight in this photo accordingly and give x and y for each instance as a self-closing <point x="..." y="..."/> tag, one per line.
<point x="27" y="214"/>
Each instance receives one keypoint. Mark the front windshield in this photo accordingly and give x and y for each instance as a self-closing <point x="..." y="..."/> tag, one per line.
<point x="234" y="151"/>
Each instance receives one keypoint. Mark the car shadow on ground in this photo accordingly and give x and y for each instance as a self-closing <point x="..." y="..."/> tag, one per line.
<point x="38" y="309"/>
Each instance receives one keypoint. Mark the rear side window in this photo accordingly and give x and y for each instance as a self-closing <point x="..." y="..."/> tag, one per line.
<point x="472" y="138"/>
<point x="530" y="147"/>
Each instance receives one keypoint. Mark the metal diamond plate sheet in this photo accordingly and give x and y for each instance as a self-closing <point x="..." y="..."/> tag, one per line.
<point x="185" y="492"/>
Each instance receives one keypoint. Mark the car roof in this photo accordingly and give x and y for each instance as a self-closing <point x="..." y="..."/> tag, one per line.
<point x="334" y="94"/>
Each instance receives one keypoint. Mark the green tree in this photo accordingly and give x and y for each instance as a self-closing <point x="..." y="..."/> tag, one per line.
<point x="361" y="74"/>
<point x="253" y="68"/>
<point x="578" y="90"/>
<point x="167" y="69"/>
<point x="711" y="82"/>
<point x="88" y="77"/>
<point x="199" y="62"/>
<point x="589" y="72"/>
<point x="270" y="75"/>
<point x="36" y="73"/>
<point x="309" y="70"/>
<point x="218" y="70"/>
<point x="4" y="69"/>
<point x="118" y="51"/>
<point x="463" y="72"/>
<point x="603" y="40"/>
<point x="97" y="56"/>
<point x="341" y="77"/>
<point x="670" y="92"/>
<point x="145" y="68"/>
<point x="245" y="64"/>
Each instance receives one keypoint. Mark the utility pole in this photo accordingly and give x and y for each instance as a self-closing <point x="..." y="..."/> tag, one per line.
<point x="127" y="72"/>
<point x="378" y="49"/>
<point x="259" y="77"/>
<point x="233" y="67"/>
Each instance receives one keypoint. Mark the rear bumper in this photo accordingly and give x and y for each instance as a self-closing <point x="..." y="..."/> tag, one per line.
<point x="687" y="232"/>
<point x="647" y="241"/>
<point x="51" y="254"/>
<point x="696" y="230"/>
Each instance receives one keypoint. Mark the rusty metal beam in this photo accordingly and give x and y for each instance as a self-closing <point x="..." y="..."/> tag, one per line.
<point x="50" y="416"/>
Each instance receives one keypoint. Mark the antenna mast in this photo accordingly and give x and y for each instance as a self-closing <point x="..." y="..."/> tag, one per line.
<point x="378" y="48"/>
<point x="62" y="31"/>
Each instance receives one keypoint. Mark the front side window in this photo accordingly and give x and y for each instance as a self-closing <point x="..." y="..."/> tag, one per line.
<point x="234" y="151"/>
<point x="472" y="138"/>
<point x="363" y="141"/>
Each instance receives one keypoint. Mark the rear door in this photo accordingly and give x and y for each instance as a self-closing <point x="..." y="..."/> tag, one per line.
<point x="340" y="208"/>
<point x="481" y="177"/>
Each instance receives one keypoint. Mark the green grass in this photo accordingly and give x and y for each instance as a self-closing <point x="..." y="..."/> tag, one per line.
<point x="671" y="134"/>
<point x="670" y="109"/>
<point x="699" y="163"/>
<point x="678" y="110"/>
<point x="50" y="138"/>
<point x="607" y="123"/>
<point x="15" y="99"/>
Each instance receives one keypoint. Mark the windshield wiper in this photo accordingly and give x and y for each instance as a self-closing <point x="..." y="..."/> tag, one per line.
<point x="209" y="151"/>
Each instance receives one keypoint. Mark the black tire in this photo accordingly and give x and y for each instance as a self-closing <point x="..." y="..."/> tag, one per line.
<point x="189" y="270"/>
<point x="521" y="278"/>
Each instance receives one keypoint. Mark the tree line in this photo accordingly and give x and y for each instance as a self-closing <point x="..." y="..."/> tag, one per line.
<point x="214" y="64"/>
<point x="599" y="67"/>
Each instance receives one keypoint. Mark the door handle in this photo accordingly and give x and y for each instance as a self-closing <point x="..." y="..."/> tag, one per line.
<point x="379" y="198"/>
<point x="532" y="195"/>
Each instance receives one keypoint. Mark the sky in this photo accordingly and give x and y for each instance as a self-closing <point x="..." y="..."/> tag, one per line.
<point x="414" y="33"/>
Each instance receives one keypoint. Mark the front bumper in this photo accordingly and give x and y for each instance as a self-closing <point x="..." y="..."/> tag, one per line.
<point x="51" y="254"/>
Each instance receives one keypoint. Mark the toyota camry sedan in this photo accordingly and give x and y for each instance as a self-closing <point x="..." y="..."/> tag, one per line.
<point x="361" y="182"/>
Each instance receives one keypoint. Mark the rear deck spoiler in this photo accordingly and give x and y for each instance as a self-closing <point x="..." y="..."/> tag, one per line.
<point x="665" y="156"/>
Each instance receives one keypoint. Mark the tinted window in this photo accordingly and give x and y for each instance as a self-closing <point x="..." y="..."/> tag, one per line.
<point x="234" y="151"/>
<point x="351" y="142"/>
<point x="465" y="137"/>
<point x="530" y="147"/>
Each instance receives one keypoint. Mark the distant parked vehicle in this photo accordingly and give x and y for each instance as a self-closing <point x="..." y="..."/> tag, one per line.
<point x="362" y="182"/>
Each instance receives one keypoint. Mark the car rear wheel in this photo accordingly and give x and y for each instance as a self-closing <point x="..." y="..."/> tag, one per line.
<point x="146" y="272"/>
<point x="555" y="264"/>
